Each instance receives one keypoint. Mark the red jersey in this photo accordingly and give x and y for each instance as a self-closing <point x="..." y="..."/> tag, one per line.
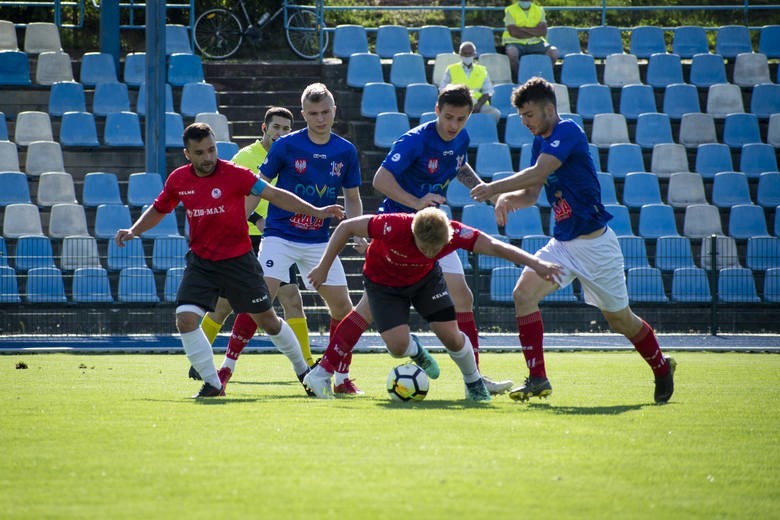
<point x="215" y="208"/>
<point x="393" y="259"/>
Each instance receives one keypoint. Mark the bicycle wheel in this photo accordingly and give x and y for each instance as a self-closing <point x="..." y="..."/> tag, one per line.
<point x="303" y="34"/>
<point x="218" y="34"/>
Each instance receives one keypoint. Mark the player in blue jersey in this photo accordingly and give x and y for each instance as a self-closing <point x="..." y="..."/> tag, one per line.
<point x="582" y="241"/>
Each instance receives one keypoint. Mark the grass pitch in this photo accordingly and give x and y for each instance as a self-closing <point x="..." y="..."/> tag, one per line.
<point x="115" y="436"/>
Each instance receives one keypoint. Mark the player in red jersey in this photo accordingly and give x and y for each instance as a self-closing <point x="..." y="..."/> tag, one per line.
<point x="401" y="268"/>
<point x="218" y="196"/>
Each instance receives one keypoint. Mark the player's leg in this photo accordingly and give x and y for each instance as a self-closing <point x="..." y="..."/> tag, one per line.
<point x="212" y="322"/>
<point x="289" y="297"/>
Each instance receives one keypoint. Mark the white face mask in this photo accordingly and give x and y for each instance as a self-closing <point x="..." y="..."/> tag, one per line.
<point x="524" y="5"/>
<point x="467" y="61"/>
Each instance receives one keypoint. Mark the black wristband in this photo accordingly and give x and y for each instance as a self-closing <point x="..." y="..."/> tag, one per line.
<point x="254" y="218"/>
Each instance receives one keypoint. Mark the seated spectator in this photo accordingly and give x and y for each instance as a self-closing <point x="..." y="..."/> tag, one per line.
<point x="475" y="77"/>
<point x="525" y="32"/>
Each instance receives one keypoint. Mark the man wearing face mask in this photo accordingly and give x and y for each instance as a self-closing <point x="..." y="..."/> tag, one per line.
<point x="475" y="77"/>
<point x="526" y="28"/>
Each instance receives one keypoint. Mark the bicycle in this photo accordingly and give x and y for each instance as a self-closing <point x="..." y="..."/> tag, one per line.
<point x="219" y="33"/>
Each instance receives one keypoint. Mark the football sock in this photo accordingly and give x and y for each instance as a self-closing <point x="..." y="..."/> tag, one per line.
<point x="287" y="344"/>
<point x="465" y="360"/>
<point x="343" y="338"/>
<point x="211" y="328"/>
<point x="646" y="343"/>
<point x="468" y="326"/>
<point x="200" y="355"/>
<point x="301" y="330"/>
<point x="244" y="328"/>
<point x="531" y="330"/>
<point x="340" y="377"/>
<point x="411" y="350"/>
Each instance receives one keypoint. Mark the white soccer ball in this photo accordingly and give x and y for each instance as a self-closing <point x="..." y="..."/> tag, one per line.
<point x="407" y="382"/>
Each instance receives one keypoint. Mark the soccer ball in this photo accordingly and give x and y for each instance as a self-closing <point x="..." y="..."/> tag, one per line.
<point x="407" y="382"/>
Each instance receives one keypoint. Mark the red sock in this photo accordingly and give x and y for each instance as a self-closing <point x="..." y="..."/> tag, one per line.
<point x="338" y="355"/>
<point x="468" y="326"/>
<point x="646" y="344"/>
<point x="244" y="328"/>
<point x="531" y="330"/>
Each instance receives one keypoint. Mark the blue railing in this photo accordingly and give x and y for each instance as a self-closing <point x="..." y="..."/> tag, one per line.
<point x="57" y="8"/>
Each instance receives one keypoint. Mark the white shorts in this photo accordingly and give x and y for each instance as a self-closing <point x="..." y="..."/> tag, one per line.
<point x="277" y="255"/>
<point x="451" y="264"/>
<point x="597" y="263"/>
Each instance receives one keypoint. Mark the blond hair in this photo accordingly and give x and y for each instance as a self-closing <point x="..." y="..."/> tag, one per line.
<point x="432" y="229"/>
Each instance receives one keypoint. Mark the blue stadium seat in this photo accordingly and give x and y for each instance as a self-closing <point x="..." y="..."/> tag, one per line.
<point x="741" y="129"/>
<point x="621" y="219"/>
<point x="541" y="200"/>
<point x="481" y="128"/>
<point x="525" y="159"/>
<point x="763" y="253"/>
<point x="197" y="98"/>
<point x="137" y="285"/>
<point x="140" y="104"/>
<point x="420" y="98"/>
<point x="594" y="99"/>
<point x="91" y="285"/>
<point x="708" y="69"/>
<point x="765" y="100"/>
<point x="776" y="227"/>
<point x="690" y="285"/>
<point x="573" y="117"/>
<point x="3" y="127"/>
<point x="464" y="257"/>
<point x="641" y="188"/>
<point x="656" y="220"/>
<point x="458" y="194"/>
<point x="712" y="158"/>
<point x="66" y="96"/>
<point x="392" y="39"/>
<point x="33" y="251"/>
<point x="492" y="158"/>
<point x="772" y="285"/>
<point x="502" y="99"/>
<point x="696" y="129"/>
<point x="349" y="39"/>
<point x="100" y="188"/>
<point x="564" y="294"/>
<point x="524" y="222"/>
<point x="389" y="127"/>
<point x="535" y="65"/>
<point x="653" y="128"/>
<point x="78" y="129"/>
<point x="635" y="100"/>
<point x="624" y="158"/>
<point x="679" y="99"/>
<point x="634" y="251"/>
<point x="647" y="40"/>
<point x="769" y="41"/>
<point x="168" y="227"/>
<point x="757" y="158"/>
<point x="97" y="67"/>
<point x="110" y="217"/>
<point x="110" y="97"/>
<point x="481" y="36"/>
<point x="364" y="68"/>
<point x="44" y="285"/>
<point x="768" y="192"/>
<point x="433" y="40"/>
<point x="607" y="184"/>
<point x="502" y="283"/>
<point x="184" y="68"/>
<point x="172" y="281"/>
<point x="736" y="285"/>
<point x="604" y="40"/>
<point x="595" y="155"/>
<point x="732" y="40"/>
<point x="131" y="255"/>
<point x="407" y="68"/>
<point x="123" y="129"/>
<point x="174" y="128"/>
<point x="168" y="252"/>
<point x="578" y="70"/>
<point x="14" y="68"/>
<point x="9" y="287"/>
<point x="480" y="216"/>
<point x="516" y="134"/>
<point x="645" y="285"/>
<point x="177" y="39"/>
<point x="533" y="243"/>
<point x="729" y="189"/>
<point x="14" y="189"/>
<point x="566" y="39"/>
<point x="378" y="98"/>
<point x="689" y="40"/>
<point x="747" y="220"/>
<point x="488" y="263"/>
<point x="226" y="150"/>
<point x="134" y="74"/>
<point x="143" y="188"/>
<point x="664" y="70"/>
<point x="673" y="252"/>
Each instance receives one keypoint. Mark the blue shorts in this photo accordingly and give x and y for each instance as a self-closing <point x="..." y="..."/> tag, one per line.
<point x="534" y="48"/>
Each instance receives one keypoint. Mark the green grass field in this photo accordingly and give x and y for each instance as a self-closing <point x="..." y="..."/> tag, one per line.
<point x="115" y="436"/>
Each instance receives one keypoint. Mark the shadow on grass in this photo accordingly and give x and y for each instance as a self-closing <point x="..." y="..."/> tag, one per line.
<point x="588" y="410"/>
<point x="433" y="404"/>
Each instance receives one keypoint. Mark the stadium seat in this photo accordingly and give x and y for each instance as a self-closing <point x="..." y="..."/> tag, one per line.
<point x="516" y="134"/>
<point x="763" y="253"/>
<point x="174" y="128"/>
<point x="609" y="129"/>
<point x="673" y="252"/>
<point x="741" y="129"/>
<point x="458" y="194"/>
<point x="492" y="158"/>
<point x="578" y="70"/>
<point x="432" y="40"/>
<point x="525" y="161"/>
<point x="624" y="158"/>
<point x="21" y="219"/>
<point x="664" y="70"/>
<point x="769" y="41"/>
<point x="656" y="220"/>
<point x="8" y="39"/>
<point x="502" y="283"/>
<point x="168" y="227"/>
<point x="78" y="129"/>
<point x="566" y="39"/>
<point x="137" y="285"/>
<point x="464" y="257"/>
<point x="604" y="40"/>
<point x="621" y="70"/>
<point x="41" y="37"/>
<point x="100" y="188"/>
<point x="773" y="130"/>
<point x="3" y="126"/>
<point x="645" y="285"/>
<point x="523" y="222"/>
<point x="488" y="262"/>
<point x="621" y="219"/>
<point x="640" y="188"/>
<point x="690" y="285"/>
<point x="43" y="156"/>
<point x="420" y="98"/>
<point x="736" y="285"/>
<point x="79" y="251"/>
<point x="225" y="149"/>
<point x="685" y="189"/>
<point x="184" y="68"/>
<point x="768" y="192"/>
<point x="595" y="155"/>
<point x="765" y="100"/>
<point x="680" y="99"/>
<point x="751" y="69"/>
<point x="3" y="252"/>
<point x="218" y="123"/>
<point x="697" y="129"/>
<point x="497" y="66"/>
<point x="91" y="285"/>
<point x="14" y="188"/>
<point x="66" y="96"/>
<point x="635" y="100"/>
<point x="594" y="99"/>
<point x="143" y="188"/>
<point x="701" y="220"/>
<point x="607" y="185"/>
<point x="725" y="252"/>
<point x="689" y="41"/>
<point x="392" y="39"/>
<point x="364" y="68"/>
<point x="378" y="98"/>
<point x="668" y="158"/>
<point x="168" y="252"/>
<point x="634" y="251"/>
<point x="564" y="294"/>
<point x="389" y="127"/>
<point x="481" y="36"/>
<point x="407" y="68"/>
<point x="134" y="74"/>
<point x="535" y="65"/>
<point x="772" y="285"/>
<point x="562" y="98"/>
<point x="747" y="220"/>
<point x="757" y="158"/>
<point x="67" y="219"/>
<point x="53" y="67"/>
<point x="197" y="98"/>
<point x="9" y="287"/>
<point x="533" y="243"/>
<point x="55" y="188"/>
<point x="97" y="67"/>
<point x="653" y="128"/>
<point x="647" y="40"/>
<point x="172" y="281"/>
<point x="177" y="39"/>
<point x="480" y="216"/>
<point x="44" y="285"/>
<point x="707" y="70"/>
<point x="14" y="68"/>
<point x="729" y="189"/>
<point x="32" y="125"/>
<point x="713" y="158"/>
<point x="481" y="128"/>
<point x="724" y="99"/>
<point x="131" y="255"/>
<point x="33" y="251"/>
<point x="140" y="102"/>
<point x="123" y="129"/>
<point x="732" y="40"/>
<point x="9" y="157"/>
<point x="574" y="117"/>
<point x="349" y="39"/>
<point x="502" y="99"/>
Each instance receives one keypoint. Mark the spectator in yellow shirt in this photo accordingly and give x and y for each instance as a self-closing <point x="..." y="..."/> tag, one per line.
<point x="526" y="28"/>
<point x="475" y="77"/>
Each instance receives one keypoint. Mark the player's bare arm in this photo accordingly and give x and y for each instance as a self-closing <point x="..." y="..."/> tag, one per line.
<point x="291" y="202"/>
<point x="488" y="245"/>
<point x="534" y="175"/>
<point x="353" y="205"/>
<point x="150" y="218"/>
<point x="514" y="200"/>
<point x="528" y="32"/>
<point x="353" y="227"/>
<point x="385" y="183"/>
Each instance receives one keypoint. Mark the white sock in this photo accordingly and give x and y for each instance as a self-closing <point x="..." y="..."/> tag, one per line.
<point x="198" y="349"/>
<point x="411" y="349"/>
<point x="340" y="377"/>
<point x="465" y="360"/>
<point x="320" y="371"/>
<point x="230" y="363"/>
<point x="287" y="344"/>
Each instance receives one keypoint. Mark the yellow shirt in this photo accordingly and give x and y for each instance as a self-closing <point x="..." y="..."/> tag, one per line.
<point x="473" y="81"/>
<point x="252" y="157"/>
<point x="515" y="15"/>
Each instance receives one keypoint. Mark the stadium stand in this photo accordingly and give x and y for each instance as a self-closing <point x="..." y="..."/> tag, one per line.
<point x="680" y="99"/>
<point x="621" y="219"/>
<point x="701" y="220"/>
<point x="535" y="65"/>
<point x="768" y="191"/>
<point x="97" y="67"/>
<point x="646" y="40"/>
<point x="482" y="128"/>
<point x="481" y="36"/>
<point x="32" y="125"/>
<point x="725" y="253"/>
<point x="747" y="220"/>
<point x="502" y="99"/>
<point x="21" y="219"/>
<point x="140" y="105"/>
<point x="13" y="188"/>
<point x="32" y="252"/>
<point x="621" y="70"/>
<point x="440" y="65"/>
<point x="724" y="99"/>
<point x="14" y="68"/>
<point x="697" y="129"/>
<point x="67" y="219"/>
<point x="773" y="130"/>
<point x="458" y="194"/>
<point x="769" y="41"/>
<point x="656" y="220"/>
<point x="134" y="72"/>
<point x="523" y="222"/>
<point x="349" y="39"/>
<point x="45" y="285"/>
<point x="53" y="66"/>
<point x="690" y="285"/>
<point x="480" y="216"/>
<point x="378" y="98"/>
<point x="772" y="285"/>
<point x="137" y="285"/>
<point x="732" y="40"/>
<point x="607" y="184"/>
<point x="79" y="251"/>
<point x="623" y="158"/>
<point x="765" y="100"/>
<point x="757" y="158"/>
<point x="729" y="189"/>
<point x="668" y="158"/>
<point x="407" y="68"/>
<point x="55" y="188"/>
<point x="645" y="285"/>
<point x="578" y="70"/>
<point x="218" y="122"/>
<point x="689" y="40"/>
<point x="736" y="285"/>
<point x="604" y="40"/>
<point x="707" y="70"/>
<point x="751" y="69"/>
<point x="44" y="156"/>
<point x="168" y="252"/>
<point x="634" y="251"/>
<point x="684" y="189"/>
<point x="9" y="287"/>
<point x="594" y="99"/>
<point x="566" y="39"/>
<point x="197" y="98"/>
<point x="177" y="39"/>
<point x="713" y="158"/>
<point x="91" y="285"/>
<point x="763" y="253"/>
<point x="172" y="281"/>
<point x="653" y="128"/>
<point x="8" y="39"/>
<point x="502" y="283"/>
<point x="131" y="255"/>
<point x="497" y="66"/>
<point x="389" y="126"/>
<point x="741" y="129"/>
<point x="184" y="68"/>
<point x="142" y="188"/>
<point x="640" y="188"/>
<point x="174" y="128"/>
<point x="41" y="37"/>
<point x="66" y="96"/>
<point x="433" y="40"/>
<point x="664" y="70"/>
<point x="609" y="129"/>
<point x="392" y="39"/>
<point x="109" y="98"/>
<point x="673" y="252"/>
<point x="493" y="157"/>
<point x="225" y="149"/>
<point x="122" y="129"/>
<point x="635" y="100"/>
<point x="3" y="127"/>
<point x="364" y="68"/>
<point x="100" y="188"/>
<point x="168" y="227"/>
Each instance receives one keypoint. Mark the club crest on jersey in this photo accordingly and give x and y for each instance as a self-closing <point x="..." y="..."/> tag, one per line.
<point x="387" y="229"/>
<point x="459" y="160"/>
<point x="465" y="233"/>
<point x="433" y="166"/>
<point x="336" y="168"/>
<point x="300" y="166"/>
<point x="216" y="193"/>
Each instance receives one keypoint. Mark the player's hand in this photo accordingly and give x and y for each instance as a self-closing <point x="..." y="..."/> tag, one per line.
<point x="430" y="199"/>
<point x="360" y="244"/>
<point x="317" y="276"/>
<point x="122" y="236"/>
<point x="549" y="271"/>
<point x="332" y="211"/>
<point x="260" y="225"/>
<point x="481" y="192"/>
<point x="502" y="210"/>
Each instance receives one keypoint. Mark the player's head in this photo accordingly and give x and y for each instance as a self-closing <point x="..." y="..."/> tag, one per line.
<point x="276" y="123"/>
<point x="452" y="110"/>
<point x="467" y="52"/>
<point x="536" y="104"/>
<point x="318" y="109"/>
<point x="200" y="148"/>
<point x="432" y="231"/>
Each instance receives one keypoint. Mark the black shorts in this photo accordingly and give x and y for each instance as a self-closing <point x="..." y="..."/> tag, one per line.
<point x="239" y="279"/>
<point x="390" y="305"/>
